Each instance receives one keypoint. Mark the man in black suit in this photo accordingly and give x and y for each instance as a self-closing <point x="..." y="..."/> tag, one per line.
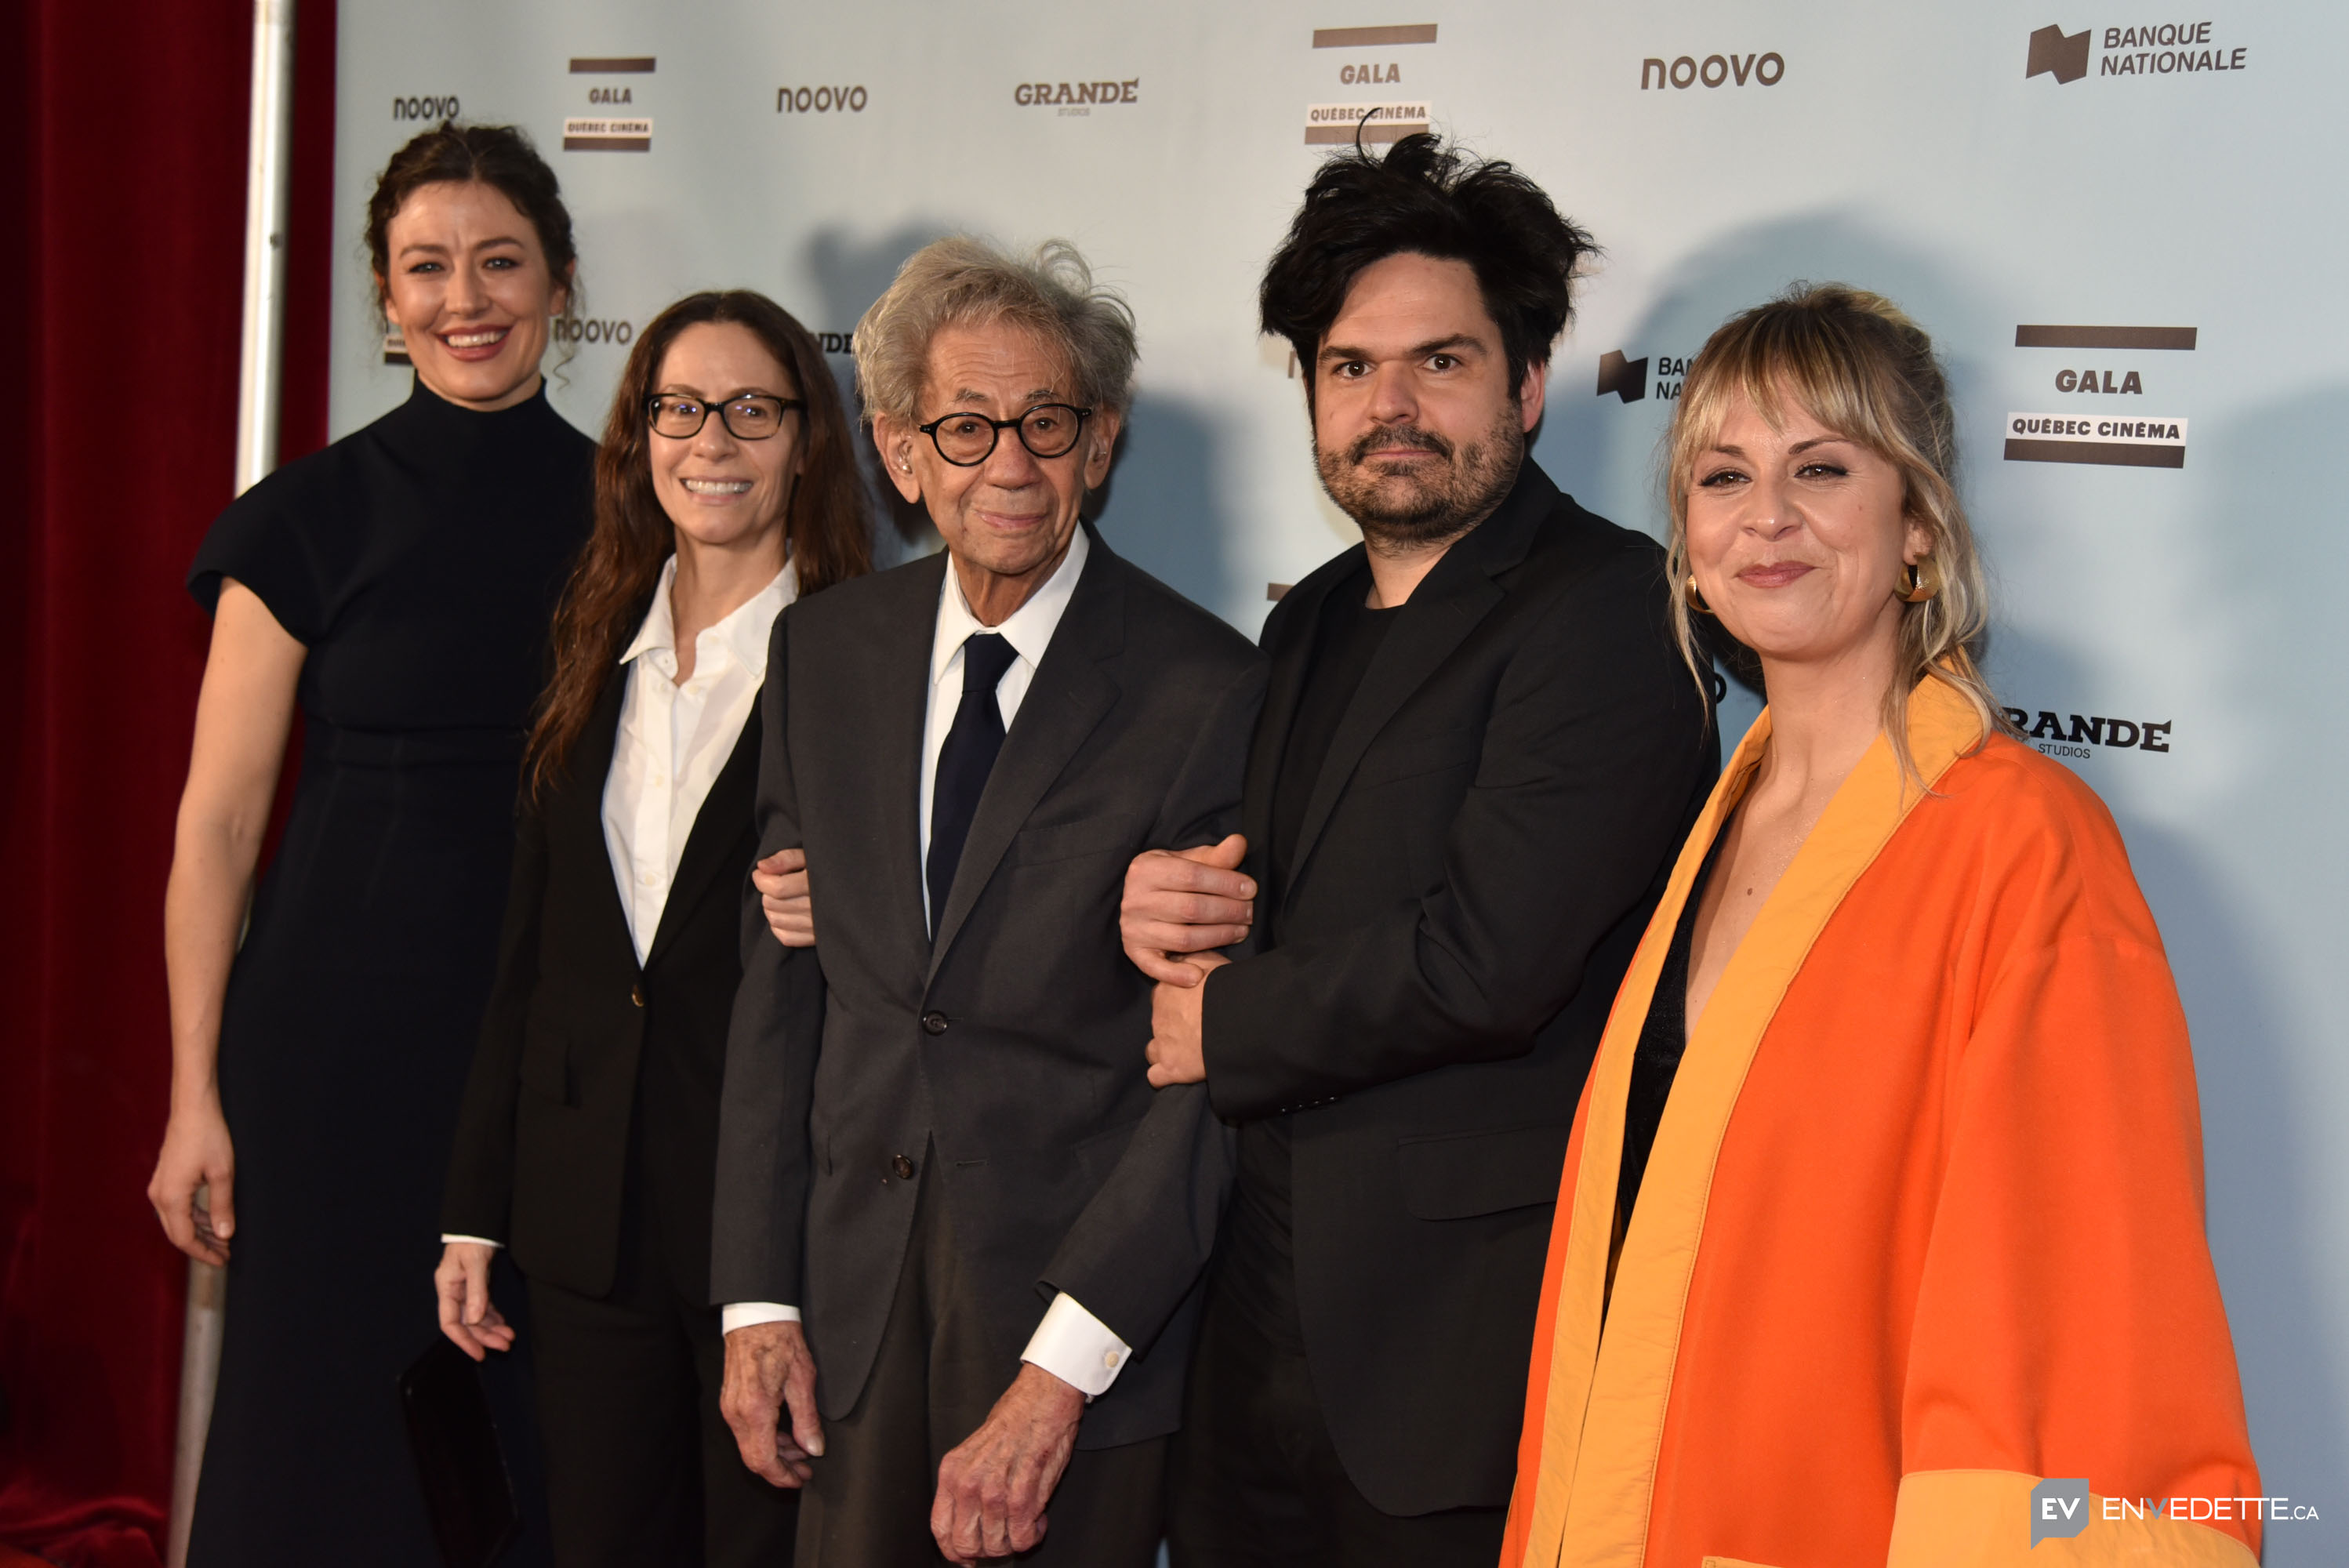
<point x="1478" y="750"/>
<point x="958" y="1233"/>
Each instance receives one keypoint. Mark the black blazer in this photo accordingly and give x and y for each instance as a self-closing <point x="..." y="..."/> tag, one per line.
<point x="1012" y="1046"/>
<point x="1478" y="858"/>
<point x="581" y="1050"/>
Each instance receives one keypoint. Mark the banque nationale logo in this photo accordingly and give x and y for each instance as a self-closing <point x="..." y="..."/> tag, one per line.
<point x="2121" y="437"/>
<point x="606" y="133"/>
<point x="1627" y="378"/>
<point x="2168" y="49"/>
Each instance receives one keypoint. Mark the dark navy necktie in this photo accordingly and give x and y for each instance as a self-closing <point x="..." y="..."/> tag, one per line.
<point x="964" y="762"/>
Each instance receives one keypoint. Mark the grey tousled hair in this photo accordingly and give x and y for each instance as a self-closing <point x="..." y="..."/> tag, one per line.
<point x="963" y="281"/>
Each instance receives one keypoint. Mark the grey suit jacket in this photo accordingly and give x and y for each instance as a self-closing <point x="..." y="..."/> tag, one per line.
<point x="1008" y="1055"/>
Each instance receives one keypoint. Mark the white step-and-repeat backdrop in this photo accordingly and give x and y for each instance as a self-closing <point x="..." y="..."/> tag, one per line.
<point x="2125" y="227"/>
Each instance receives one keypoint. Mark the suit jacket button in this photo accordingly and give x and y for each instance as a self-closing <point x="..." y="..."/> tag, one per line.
<point x="934" y="1023"/>
<point x="903" y="1167"/>
<point x="637" y="992"/>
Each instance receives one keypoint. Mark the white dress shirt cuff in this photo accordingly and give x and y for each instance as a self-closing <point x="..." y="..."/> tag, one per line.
<point x="1077" y="1347"/>
<point x="477" y="1241"/>
<point x="744" y="1314"/>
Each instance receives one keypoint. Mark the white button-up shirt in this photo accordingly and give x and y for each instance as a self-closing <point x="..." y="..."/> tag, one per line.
<point x="1071" y="1343"/>
<point x="674" y="739"/>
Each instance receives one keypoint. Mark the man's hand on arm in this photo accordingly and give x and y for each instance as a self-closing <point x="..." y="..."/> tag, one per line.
<point x="1178" y="1046"/>
<point x="992" y="1487"/>
<point x="1182" y="901"/>
<point x="769" y="1373"/>
<point x="782" y="880"/>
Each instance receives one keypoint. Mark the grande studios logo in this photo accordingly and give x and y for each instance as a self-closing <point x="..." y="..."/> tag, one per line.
<point x="2087" y="734"/>
<point x="1077" y="98"/>
<point x="2162" y="49"/>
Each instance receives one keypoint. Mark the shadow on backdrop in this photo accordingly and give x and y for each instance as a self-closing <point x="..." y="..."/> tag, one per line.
<point x="2269" y="500"/>
<point x="1158" y="507"/>
<point x="850" y="274"/>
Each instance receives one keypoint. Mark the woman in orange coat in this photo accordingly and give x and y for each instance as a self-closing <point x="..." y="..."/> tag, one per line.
<point x="1880" y="1235"/>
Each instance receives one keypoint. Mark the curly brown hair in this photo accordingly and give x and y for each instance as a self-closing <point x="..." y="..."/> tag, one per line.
<point x="826" y="522"/>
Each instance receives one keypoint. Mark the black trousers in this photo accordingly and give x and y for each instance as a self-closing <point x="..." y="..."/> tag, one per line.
<point x="641" y="1469"/>
<point x="1254" y="1477"/>
<point x="933" y="1381"/>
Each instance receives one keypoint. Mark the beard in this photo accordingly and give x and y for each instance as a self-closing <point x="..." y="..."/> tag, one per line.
<point x="1422" y="504"/>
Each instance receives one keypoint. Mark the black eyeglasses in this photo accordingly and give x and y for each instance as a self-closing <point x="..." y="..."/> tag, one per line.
<point x="967" y="440"/>
<point x="754" y="417"/>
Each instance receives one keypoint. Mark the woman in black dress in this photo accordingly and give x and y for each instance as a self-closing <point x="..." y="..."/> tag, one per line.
<point x="726" y="488"/>
<point x="397" y="586"/>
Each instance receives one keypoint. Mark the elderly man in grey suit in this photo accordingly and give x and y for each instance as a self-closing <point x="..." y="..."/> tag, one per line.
<point x="959" y="1237"/>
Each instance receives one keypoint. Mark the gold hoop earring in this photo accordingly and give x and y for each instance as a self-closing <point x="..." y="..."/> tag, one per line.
<point x="1695" y="600"/>
<point x="1921" y="582"/>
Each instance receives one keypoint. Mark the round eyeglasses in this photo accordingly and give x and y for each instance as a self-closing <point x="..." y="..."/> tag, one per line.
<point x="967" y="440"/>
<point x="753" y="417"/>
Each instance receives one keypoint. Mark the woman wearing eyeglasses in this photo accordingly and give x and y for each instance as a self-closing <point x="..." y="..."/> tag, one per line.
<point x="725" y="488"/>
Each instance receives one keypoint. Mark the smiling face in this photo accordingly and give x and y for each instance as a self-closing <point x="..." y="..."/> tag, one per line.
<point x="719" y="491"/>
<point x="1007" y="521"/>
<point x="469" y="290"/>
<point x="1416" y="429"/>
<point x="1797" y="537"/>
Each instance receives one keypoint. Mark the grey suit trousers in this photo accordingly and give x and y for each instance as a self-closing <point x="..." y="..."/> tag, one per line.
<point x="933" y="1381"/>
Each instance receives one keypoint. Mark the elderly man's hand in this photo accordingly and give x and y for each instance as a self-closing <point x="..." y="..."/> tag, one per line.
<point x="782" y="880"/>
<point x="1181" y="901"/>
<point x="992" y="1487"/>
<point x="769" y="1372"/>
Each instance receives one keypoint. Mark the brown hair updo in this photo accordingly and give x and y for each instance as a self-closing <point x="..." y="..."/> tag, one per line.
<point x="498" y="155"/>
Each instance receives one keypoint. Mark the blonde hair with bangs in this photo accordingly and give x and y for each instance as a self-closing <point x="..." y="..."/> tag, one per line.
<point x="1856" y="363"/>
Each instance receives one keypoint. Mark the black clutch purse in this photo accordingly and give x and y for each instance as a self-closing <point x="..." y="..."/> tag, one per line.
<point x="467" y="1493"/>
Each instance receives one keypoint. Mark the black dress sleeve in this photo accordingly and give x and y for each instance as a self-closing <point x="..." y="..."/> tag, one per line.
<point x="267" y="540"/>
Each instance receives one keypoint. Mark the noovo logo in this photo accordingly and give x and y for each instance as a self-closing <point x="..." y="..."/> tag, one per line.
<point x="433" y="109"/>
<point x="1713" y="71"/>
<point x="573" y="331"/>
<point x="820" y="101"/>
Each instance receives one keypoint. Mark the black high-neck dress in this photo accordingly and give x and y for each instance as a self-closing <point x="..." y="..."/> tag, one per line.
<point x="418" y="560"/>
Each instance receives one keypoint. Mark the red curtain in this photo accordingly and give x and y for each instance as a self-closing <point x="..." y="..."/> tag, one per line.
<point x="125" y="129"/>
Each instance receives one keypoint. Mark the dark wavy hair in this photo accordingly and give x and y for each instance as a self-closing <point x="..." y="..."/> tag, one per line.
<point x="1431" y="199"/>
<point x="825" y="520"/>
<point x="498" y="155"/>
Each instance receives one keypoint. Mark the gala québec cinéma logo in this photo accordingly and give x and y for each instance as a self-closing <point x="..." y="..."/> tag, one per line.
<point x="1368" y="122"/>
<point x="2110" y="436"/>
<point x="607" y="132"/>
